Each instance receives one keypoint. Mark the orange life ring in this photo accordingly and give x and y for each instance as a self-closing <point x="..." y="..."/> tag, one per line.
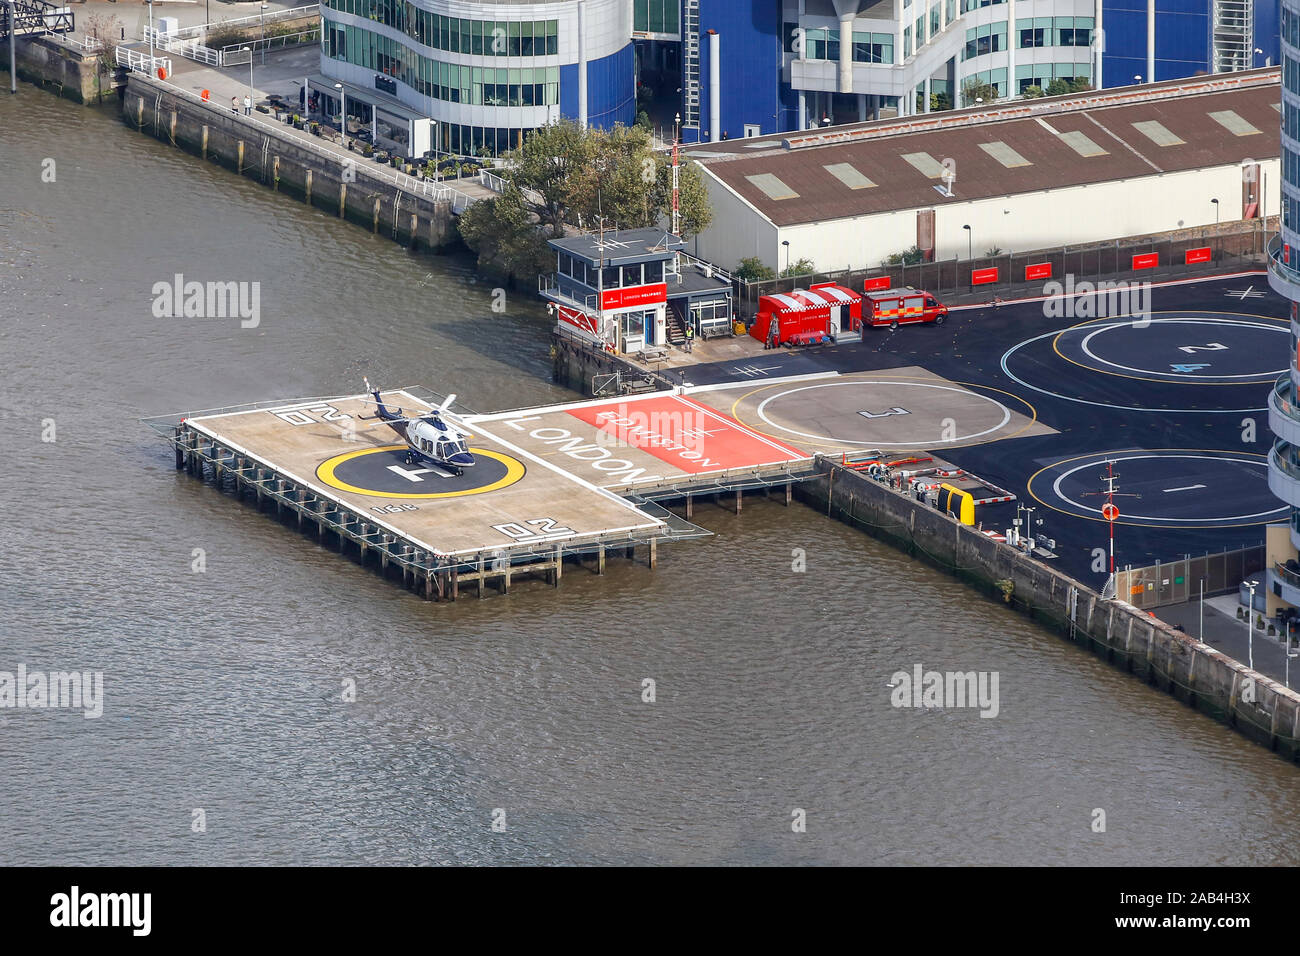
<point x="162" y="72"/>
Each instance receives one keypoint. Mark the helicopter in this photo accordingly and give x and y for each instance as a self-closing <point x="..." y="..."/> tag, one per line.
<point x="429" y="438"/>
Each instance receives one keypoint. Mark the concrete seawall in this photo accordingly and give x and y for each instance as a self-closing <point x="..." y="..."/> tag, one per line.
<point x="350" y="187"/>
<point x="1226" y="690"/>
<point x="59" y="66"/>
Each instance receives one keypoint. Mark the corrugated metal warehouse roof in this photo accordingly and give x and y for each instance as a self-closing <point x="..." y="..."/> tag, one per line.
<point x="1023" y="146"/>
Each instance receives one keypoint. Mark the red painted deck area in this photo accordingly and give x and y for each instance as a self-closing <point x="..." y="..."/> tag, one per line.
<point x="687" y="435"/>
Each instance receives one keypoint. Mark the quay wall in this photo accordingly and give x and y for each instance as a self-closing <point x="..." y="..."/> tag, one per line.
<point x="256" y="147"/>
<point x="61" y="67"/>
<point x="1254" y="705"/>
<point x="576" y="364"/>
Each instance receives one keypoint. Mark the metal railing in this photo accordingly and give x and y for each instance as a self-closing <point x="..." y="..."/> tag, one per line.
<point x="439" y="192"/>
<point x="1282" y="461"/>
<point x="1282" y="390"/>
<point x="1286" y="574"/>
<point x="238" y="54"/>
<point x="142" y="62"/>
<point x="272" y="16"/>
<point x="191" y="49"/>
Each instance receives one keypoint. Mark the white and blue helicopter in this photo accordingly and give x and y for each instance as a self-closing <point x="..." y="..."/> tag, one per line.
<point x="429" y="437"/>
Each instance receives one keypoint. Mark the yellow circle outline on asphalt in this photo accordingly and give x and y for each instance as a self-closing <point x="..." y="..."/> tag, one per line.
<point x="1265" y="377"/>
<point x="1033" y="412"/>
<point x="325" y="472"/>
<point x="1029" y="487"/>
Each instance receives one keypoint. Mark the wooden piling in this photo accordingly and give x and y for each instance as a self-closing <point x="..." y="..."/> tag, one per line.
<point x="240" y="154"/>
<point x="375" y="225"/>
<point x="343" y="198"/>
<point x="310" y="176"/>
<point x="205" y="141"/>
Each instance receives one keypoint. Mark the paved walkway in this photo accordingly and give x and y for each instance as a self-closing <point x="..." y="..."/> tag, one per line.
<point x="1226" y="634"/>
<point x="283" y="74"/>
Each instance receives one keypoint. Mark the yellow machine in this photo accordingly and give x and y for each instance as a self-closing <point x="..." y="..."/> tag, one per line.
<point x="961" y="503"/>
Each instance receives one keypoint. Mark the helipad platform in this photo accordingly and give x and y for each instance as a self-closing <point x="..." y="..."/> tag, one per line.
<point x="568" y="480"/>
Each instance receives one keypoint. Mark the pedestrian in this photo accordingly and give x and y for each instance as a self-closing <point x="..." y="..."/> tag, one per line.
<point x="234" y="104"/>
<point x="248" y="105"/>
<point x="690" y="337"/>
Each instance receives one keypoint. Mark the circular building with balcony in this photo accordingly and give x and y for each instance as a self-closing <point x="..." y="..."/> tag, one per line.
<point x="1284" y="277"/>
<point x="473" y="76"/>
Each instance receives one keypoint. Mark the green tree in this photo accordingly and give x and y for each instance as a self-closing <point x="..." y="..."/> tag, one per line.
<point x="909" y="256"/>
<point x="977" y="89"/>
<point x="802" y="267"/>
<point x="940" y="102"/>
<point x="504" y="234"/>
<point x="752" y="269"/>
<point x="548" y="163"/>
<point x="1058" y="88"/>
<point x="1032" y="92"/>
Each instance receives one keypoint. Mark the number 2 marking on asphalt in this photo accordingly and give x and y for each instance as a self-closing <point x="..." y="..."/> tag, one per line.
<point x="1211" y="347"/>
<point x="886" y="413"/>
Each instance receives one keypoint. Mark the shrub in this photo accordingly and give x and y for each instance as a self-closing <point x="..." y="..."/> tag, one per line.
<point x="752" y="269"/>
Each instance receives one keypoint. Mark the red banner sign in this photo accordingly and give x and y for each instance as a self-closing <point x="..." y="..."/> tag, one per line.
<point x="872" y="285"/>
<point x="1204" y="254"/>
<point x="983" y="276"/>
<point x="633" y="296"/>
<point x="1038" y="270"/>
<point x="1148" y="260"/>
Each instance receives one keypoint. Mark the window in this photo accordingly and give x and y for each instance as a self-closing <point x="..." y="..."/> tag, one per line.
<point x="654" y="271"/>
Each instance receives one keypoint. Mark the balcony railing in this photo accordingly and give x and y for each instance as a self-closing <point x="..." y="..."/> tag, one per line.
<point x="1283" y="400"/>
<point x="1290" y="577"/>
<point x="1278" y="266"/>
<point x="1281" y="460"/>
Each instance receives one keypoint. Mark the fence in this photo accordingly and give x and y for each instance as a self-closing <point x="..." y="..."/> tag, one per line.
<point x="189" y="48"/>
<point x="142" y="62"/>
<point x="1240" y="246"/>
<point x="238" y="54"/>
<point x="1178" y="581"/>
<point x="271" y="16"/>
<point x="434" y="191"/>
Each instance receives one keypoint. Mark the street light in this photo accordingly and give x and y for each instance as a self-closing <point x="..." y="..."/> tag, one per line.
<point x="970" y="242"/>
<point x="1250" y="627"/>
<point x="1216" y="211"/>
<point x="249" y="50"/>
<point x="1289" y="655"/>
<point x="150" y="36"/>
<point x="343" y="110"/>
<point x="262" y="9"/>
<point x="786" y="243"/>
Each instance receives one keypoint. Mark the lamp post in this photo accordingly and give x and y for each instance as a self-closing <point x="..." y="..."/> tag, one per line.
<point x="1289" y="655"/>
<point x="1250" y="627"/>
<point x="250" y="74"/>
<point x="150" y="36"/>
<point x="13" y="70"/>
<point x="786" y="243"/>
<point x="343" y="110"/>
<point x="262" y="11"/>
<point x="970" y="242"/>
<point x="1216" y="211"/>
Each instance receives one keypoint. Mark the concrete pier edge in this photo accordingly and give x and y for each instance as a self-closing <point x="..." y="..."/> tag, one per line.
<point x="1224" y="689"/>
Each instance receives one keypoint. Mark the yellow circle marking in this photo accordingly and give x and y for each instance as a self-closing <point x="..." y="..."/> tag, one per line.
<point x="1029" y="487"/>
<point x="514" y="471"/>
<point x="1264" y="376"/>
<point x="903" y="378"/>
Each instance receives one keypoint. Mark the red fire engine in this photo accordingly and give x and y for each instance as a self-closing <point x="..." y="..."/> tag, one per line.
<point x="895" y="307"/>
<point x="807" y="316"/>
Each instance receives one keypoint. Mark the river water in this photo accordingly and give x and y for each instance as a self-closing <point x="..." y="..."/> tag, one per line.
<point x="223" y="689"/>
